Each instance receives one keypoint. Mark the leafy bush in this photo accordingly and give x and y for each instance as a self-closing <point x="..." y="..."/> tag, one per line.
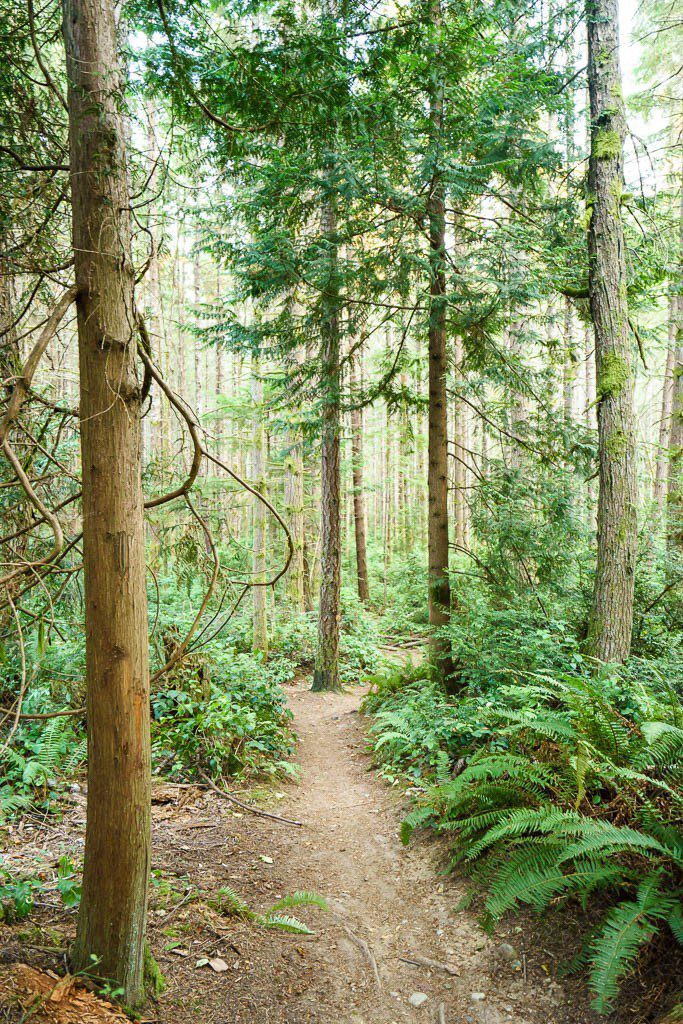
<point x="16" y="897"/>
<point x="17" y="894"/>
<point x="570" y="798"/>
<point x="224" y="716"/>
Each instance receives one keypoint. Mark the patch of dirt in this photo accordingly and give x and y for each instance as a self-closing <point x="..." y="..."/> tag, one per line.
<point x="393" y="947"/>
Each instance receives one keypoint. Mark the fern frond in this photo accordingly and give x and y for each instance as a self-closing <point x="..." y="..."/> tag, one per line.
<point x="286" y="924"/>
<point x="626" y="928"/>
<point x="420" y="816"/>
<point x="229" y="901"/>
<point x="298" y="899"/>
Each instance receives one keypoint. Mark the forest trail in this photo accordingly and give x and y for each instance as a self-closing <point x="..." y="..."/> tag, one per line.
<point x="388" y="905"/>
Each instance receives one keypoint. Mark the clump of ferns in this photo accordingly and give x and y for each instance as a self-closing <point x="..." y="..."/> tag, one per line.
<point x="229" y="902"/>
<point x="30" y="770"/>
<point x="580" y="801"/>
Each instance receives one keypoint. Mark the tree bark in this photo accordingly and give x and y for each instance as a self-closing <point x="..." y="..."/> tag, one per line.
<point x="460" y="457"/>
<point x="664" y="431"/>
<point x="111" y="922"/>
<point x="437" y="471"/>
<point x="10" y="362"/>
<point x="674" y="509"/>
<point x="569" y="366"/>
<point x="611" y="615"/>
<point x="258" y="473"/>
<point x="326" y="674"/>
<point x="359" y="520"/>
<point x="675" y="484"/>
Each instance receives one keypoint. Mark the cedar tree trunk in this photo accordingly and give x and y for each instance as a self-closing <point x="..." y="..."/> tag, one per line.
<point x="111" y="923"/>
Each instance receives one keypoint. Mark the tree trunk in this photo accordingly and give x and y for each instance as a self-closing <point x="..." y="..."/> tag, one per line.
<point x="359" y="521"/>
<point x="326" y="674"/>
<point x="294" y="509"/>
<point x="569" y="366"/>
<point x="611" y="614"/>
<point x="675" y="484"/>
<point x="10" y="362"/>
<point x="197" y="352"/>
<point x="111" y="923"/>
<point x="674" y="510"/>
<point x="664" y="432"/>
<point x="460" y="457"/>
<point x="258" y="475"/>
<point x="437" y="472"/>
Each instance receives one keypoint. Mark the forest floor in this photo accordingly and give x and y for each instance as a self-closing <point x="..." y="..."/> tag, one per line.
<point x="392" y="948"/>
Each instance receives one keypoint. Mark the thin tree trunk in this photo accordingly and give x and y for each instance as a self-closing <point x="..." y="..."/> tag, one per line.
<point x="569" y="366"/>
<point x="111" y="923"/>
<point x="258" y="474"/>
<point x="358" y="495"/>
<point x="664" y="431"/>
<point x="197" y="352"/>
<point x="326" y="674"/>
<point x="9" y="349"/>
<point x="460" y="442"/>
<point x="387" y="533"/>
<point x="294" y="508"/>
<point x="611" y="615"/>
<point x="674" y="510"/>
<point x="437" y="472"/>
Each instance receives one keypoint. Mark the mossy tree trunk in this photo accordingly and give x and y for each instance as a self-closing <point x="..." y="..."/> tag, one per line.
<point x="611" y="614"/>
<point x="111" y="923"/>
<point x="326" y="674"/>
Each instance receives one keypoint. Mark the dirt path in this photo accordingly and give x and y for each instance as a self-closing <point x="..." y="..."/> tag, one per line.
<point x="389" y="905"/>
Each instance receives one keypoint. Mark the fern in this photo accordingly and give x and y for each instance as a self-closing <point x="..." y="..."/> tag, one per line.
<point x="626" y="928"/>
<point x="568" y="798"/>
<point x="298" y="899"/>
<point x="230" y="902"/>
<point x="285" y="924"/>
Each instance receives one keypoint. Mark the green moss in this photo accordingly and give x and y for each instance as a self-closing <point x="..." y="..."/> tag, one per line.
<point x="607" y="144"/>
<point x="617" y="444"/>
<point x="154" y="981"/>
<point x="626" y="528"/>
<point x="614" y="376"/>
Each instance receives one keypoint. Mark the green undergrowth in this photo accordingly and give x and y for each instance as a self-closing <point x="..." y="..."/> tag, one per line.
<point x="228" y="902"/>
<point x="564" y="788"/>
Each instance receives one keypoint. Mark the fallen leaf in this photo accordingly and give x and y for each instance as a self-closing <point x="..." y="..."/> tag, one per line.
<point x="266" y="860"/>
<point x="217" y="964"/>
<point x="202" y="962"/>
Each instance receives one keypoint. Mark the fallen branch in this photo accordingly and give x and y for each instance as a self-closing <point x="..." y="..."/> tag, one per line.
<point x="248" y="807"/>
<point x="367" y="953"/>
<point x="433" y="965"/>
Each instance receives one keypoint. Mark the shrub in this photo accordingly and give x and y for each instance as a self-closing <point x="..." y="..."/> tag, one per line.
<point x="222" y="716"/>
<point x="573" y="799"/>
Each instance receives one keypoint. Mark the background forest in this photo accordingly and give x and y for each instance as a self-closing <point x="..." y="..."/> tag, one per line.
<point x="377" y="310"/>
